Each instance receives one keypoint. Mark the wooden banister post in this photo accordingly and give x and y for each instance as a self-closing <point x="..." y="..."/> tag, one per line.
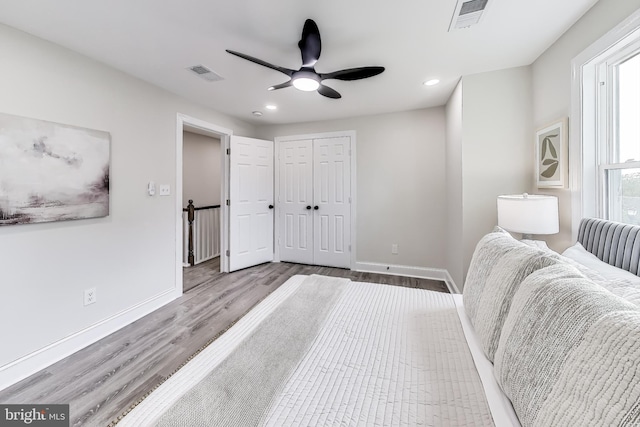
<point x="191" y="211"/>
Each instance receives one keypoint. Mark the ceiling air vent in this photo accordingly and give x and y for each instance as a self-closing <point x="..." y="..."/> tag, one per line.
<point x="468" y="13"/>
<point x="205" y="73"/>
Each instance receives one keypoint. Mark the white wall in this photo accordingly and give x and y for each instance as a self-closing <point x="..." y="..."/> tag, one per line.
<point x="551" y="75"/>
<point x="497" y="147"/>
<point x="400" y="183"/>
<point x="454" y="261"/>
<point x="130" y="256"/>
<point x="201" y="172"/>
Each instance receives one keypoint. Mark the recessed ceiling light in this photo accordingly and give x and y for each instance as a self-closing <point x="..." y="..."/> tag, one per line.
<point x="431" y="82"/>
<point x="271" y="107"/>
<point x="257" y="113"/>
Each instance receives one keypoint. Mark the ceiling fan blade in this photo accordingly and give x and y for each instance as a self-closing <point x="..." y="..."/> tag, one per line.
<point x="283" y="70"/>
<point x="353" y="73"/>
<point x="310" y="44"/>
<point x="328" y="92"/>
<point x="281" y="85"/>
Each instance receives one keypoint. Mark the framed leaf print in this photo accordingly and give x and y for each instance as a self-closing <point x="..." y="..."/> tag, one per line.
<point x="552" y="155"/>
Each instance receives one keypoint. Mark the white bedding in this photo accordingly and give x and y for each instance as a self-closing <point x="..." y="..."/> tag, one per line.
<point x="386" y="355"/>
<point x="501" y="409"/>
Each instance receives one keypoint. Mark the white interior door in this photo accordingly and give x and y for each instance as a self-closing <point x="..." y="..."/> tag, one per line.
<point x="332" y="196"/>
<point x="250" y="195"/>
<point x="295" y="202"/>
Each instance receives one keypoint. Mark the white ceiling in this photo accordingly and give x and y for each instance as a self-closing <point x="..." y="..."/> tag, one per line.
<point x="156" y="40"/>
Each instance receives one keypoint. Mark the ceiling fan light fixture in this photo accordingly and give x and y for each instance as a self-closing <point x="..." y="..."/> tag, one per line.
<point x="307" y="78"/>
<point x="306" y="84"/>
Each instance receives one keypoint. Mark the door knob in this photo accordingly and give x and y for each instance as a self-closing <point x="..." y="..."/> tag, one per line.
<point x="316" y="208"/>
<point x="308" y="207"/>
<point x="270" y="206"/>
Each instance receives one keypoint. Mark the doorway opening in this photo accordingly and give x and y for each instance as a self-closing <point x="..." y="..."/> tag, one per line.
<point x="201" y="202"/>
<point x="202" y="176"/>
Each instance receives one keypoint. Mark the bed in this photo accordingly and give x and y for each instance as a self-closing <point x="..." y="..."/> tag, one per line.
<point x="612" y="242"/>
<point x="328" y="351"/>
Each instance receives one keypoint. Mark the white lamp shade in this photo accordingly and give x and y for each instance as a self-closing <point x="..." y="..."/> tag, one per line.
<point x="528" y="213"/>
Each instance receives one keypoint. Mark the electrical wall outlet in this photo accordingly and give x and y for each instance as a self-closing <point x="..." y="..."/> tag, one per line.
<point x="165" y="189"/>
<point x="394" y="249"/>
<point x="90" y="296"/>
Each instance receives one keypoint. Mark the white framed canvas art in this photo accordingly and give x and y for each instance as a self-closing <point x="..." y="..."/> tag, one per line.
<point x="51" y="171"/>
<point x="552" y="154"/>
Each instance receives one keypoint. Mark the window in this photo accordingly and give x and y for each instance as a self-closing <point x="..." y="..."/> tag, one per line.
<point x="604" y="147"/>
<point x="618" y="140"/>
<point x="609" y="134"/>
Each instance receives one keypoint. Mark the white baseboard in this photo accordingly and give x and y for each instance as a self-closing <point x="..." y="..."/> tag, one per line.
<point x="451" y="284"/>
<point x="409" y="271"/>
<point x="27" y="365"/>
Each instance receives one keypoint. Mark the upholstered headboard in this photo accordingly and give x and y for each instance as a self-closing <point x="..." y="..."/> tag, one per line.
<point x="612" y="242"/>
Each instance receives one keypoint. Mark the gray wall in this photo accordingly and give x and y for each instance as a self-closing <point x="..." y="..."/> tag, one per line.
<point x="551" y="76"/>
<point x="455" y="263"/>
<point x="201" y="172"/>
<point x="401" y="192"/>
<point x="130" y="256"/>
<point x="497" y="147"/>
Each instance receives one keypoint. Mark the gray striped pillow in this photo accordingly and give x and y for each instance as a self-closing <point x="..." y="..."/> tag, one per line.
<point x="569" y="354"/>
<point x="499" y="264"/>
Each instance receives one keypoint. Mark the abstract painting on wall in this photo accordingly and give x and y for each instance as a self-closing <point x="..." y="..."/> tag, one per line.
<point x="552" y="155"/>
<point x="52" y="172"/>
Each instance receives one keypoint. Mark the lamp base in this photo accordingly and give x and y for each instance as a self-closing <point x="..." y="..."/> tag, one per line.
<point x="527" y="236"/>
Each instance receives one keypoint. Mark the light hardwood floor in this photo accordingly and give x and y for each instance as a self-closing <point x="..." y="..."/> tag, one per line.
<point x="104" y="379"/>
<point x="199" y="274"/>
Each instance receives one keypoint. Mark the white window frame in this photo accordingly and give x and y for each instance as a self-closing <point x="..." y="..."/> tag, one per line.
<point x="607" y="141"/>
<point x="588" y="92"/>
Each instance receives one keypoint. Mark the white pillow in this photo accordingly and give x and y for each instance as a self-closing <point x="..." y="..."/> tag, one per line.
<point x="614" y="279"/>
<point x="579" y="254"/>
<point x="624" y="288"/>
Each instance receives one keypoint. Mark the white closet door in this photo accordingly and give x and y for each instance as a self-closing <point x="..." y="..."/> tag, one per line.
<point x="295" y="205"/>
<point x="251" y="194"/>
<point x="332" y="191"/>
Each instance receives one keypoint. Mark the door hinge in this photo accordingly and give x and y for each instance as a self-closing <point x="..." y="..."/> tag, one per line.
<point x="349" y="248"/>
<point x="228" y="202"/>
<point x="227" y="253"/>
<point x="349" y="199"/>
<point x="228" y="151"/>
<point x="349" y="152"/>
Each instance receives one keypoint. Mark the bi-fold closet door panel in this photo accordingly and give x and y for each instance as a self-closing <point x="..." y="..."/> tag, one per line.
<point x="332" y="195"/>
<point x="315" y="211"/>
<point x="296" y="201"/>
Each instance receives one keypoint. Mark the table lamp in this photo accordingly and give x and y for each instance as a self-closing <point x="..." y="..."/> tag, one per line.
<point x="528" y="214"/>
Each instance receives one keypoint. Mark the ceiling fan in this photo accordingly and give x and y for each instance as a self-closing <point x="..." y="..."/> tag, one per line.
<point x="307" y="78"/>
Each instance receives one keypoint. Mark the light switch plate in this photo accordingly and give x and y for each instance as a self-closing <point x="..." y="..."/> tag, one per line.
<point x="90" y="296"/>
<point x="165" y="189"/>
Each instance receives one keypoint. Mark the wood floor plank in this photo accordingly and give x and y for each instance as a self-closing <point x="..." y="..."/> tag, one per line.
<point x="101" y="381"/>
